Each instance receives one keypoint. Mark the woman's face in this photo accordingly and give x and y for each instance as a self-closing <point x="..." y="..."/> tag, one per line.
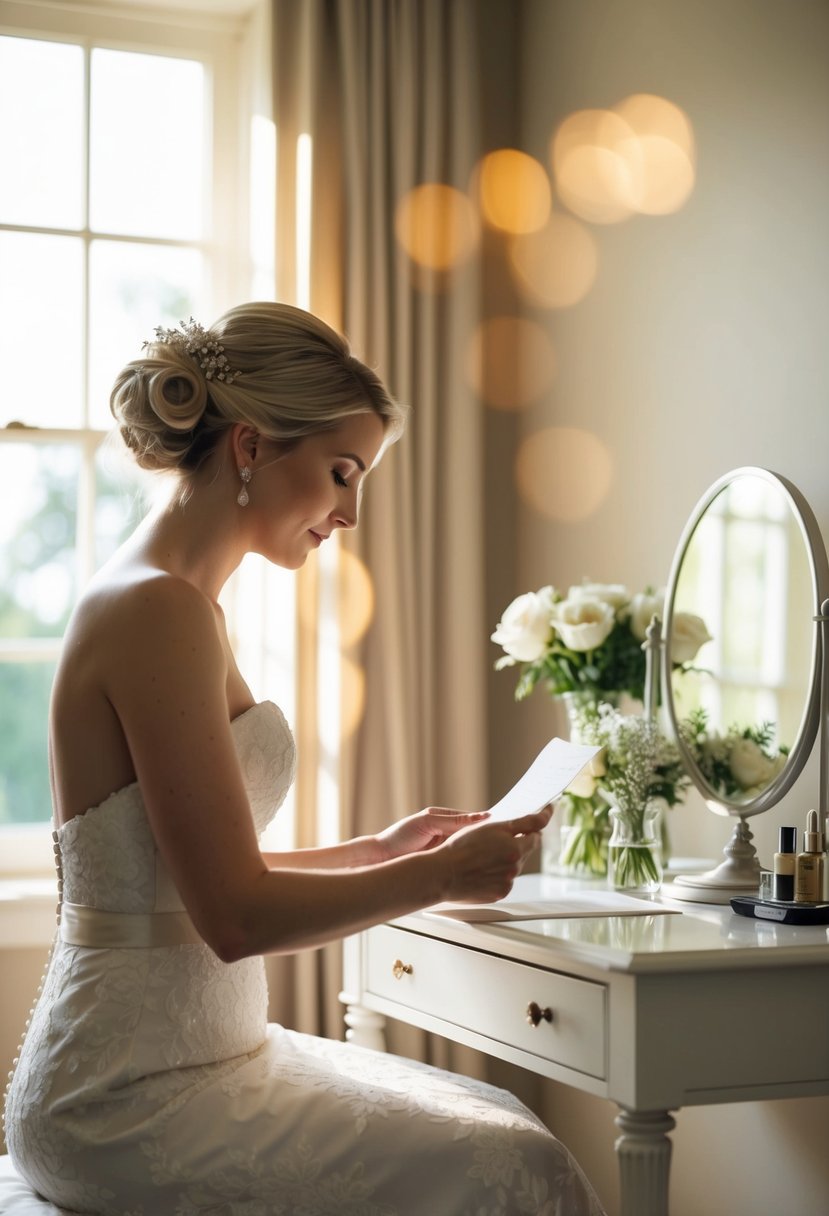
<point x="298" y="497"/>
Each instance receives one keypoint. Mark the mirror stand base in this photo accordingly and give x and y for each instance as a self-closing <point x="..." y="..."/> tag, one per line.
<point x="737" y="874"/>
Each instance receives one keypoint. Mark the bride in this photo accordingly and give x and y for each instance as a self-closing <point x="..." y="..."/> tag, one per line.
<point x="149" y="1081"/>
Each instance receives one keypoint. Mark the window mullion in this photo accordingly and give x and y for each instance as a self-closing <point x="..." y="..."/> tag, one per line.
<point x="87" y="104"/>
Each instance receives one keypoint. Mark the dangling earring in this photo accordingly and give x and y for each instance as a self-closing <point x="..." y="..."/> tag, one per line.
<point x="243" y="498"/>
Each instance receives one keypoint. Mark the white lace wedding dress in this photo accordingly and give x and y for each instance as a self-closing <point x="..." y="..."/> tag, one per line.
<point x="150" y="1084"/>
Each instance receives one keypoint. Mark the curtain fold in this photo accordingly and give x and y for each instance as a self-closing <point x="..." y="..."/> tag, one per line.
<point x="388" y="90"/>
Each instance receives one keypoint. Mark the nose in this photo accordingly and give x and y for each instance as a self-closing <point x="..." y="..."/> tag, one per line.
<point x="346" y="517"/>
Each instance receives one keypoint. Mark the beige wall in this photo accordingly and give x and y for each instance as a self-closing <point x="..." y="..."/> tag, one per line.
<point x="701" y="347"/>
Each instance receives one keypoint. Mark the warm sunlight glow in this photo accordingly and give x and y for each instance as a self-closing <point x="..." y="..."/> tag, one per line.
<point x="263" y="206"/>
<point x="556" y="266"/>
<point x="353" y="696"/>
<point x="514" y="191"/>
<point x="304" y="170"/>
<point x="596" y="171"/>
<point x="437" y="226"/>
<point x="355" y="595"/>
<point x="564" y="473"/>
<point x="510" y="362"/>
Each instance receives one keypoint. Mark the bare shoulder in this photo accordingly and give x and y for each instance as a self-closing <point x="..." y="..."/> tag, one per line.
<point x="140" y="624"/>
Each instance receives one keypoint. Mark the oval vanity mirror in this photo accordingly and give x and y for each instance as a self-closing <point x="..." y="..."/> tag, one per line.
<point x="745" y="713"/>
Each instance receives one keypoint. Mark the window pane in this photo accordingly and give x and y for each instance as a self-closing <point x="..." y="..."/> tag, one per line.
<point x="24" y="767"/>
<point x="41" y="133"/>
<point x="134" y="288"/>
<point x="123" y="493"/>
<point x="41" y="293"/>
<point x="147" y="143"/>
<point x="38" y="521"/>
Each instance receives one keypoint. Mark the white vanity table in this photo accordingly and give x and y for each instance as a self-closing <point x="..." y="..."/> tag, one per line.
<point x="653" y="1012"/>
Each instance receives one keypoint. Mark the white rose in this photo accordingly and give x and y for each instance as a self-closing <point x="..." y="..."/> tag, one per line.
<point x="525" y="629"/>
<point x="606" y="593"/>
<point x="749" y="765"/>
<point x="688" y="633"/>
<point x="583" y="786"/>
<point x="583" y="624"/>
<point x="642" y="610"/>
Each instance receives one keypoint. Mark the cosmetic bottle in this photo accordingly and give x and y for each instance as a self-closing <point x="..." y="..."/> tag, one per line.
<point x="809" y="865"/>
<point x="784" y="865"/>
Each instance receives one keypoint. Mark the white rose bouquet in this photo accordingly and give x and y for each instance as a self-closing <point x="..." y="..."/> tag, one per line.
<point x="738" y="764"/>
<point x="588" y="641"/>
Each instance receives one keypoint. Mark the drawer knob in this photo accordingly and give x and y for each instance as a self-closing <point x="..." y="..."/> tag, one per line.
<point x="535" y="1014"/>
<point x="399" y="969"/>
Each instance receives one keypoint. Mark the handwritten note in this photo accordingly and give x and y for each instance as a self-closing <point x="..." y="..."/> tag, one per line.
<point x="546" y="779"/>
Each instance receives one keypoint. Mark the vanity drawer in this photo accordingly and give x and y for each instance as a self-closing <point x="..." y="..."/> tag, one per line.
<point x="491" y="996"/>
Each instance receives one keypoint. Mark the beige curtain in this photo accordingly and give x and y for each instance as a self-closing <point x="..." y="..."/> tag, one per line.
<point x="388" y="90"/>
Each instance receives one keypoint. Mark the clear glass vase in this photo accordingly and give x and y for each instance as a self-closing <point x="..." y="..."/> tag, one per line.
<point x="635" y="850"/>
<point x="583" y="850"/>
<point x="575" y="842"/>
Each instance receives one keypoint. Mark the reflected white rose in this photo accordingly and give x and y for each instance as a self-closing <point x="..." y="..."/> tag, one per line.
<point x="606" y="593"/>
<point x="642" y="610"/>
<point x="583" y="624"/>
<point x="688" y="633"/>
<point x="525" y="629"/>
<point x="749" y="765"/>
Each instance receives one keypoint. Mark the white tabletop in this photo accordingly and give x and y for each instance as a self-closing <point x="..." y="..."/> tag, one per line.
<point x="691" y="937"/>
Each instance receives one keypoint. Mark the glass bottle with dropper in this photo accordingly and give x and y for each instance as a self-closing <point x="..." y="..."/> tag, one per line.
<point x="808" y="872"/>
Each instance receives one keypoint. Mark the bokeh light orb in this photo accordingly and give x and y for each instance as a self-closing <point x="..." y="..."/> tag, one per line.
<point x="437" y="226"/>
<point x="595" y="166"/>
<point x="564" y="473"/>
<point x="352" y="696"/>
<point x="355" y="592"/>
<point x="510" y="362"/>
<point x="514" y="190"/>
<point x="556" y="266"/>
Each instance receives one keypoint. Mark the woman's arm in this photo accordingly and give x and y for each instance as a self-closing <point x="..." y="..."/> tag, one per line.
<point x="166" y="680"/>
<point x="417" y="832"/>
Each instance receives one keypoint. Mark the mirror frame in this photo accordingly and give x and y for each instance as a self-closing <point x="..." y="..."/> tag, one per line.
<point x="810" y="721"/>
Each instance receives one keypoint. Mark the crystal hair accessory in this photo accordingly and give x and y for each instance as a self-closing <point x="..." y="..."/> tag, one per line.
<point x="194" y="340"/>
<point x="243" y="498"/>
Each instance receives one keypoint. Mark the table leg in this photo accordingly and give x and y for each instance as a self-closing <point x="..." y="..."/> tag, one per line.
<point x="644" y="1153"/>
<point x="365" y="1028"/>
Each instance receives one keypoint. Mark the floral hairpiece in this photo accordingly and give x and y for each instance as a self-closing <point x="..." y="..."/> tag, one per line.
<point x="194" y="340"/>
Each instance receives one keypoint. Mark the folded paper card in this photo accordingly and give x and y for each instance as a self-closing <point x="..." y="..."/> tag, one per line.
<point x="546" y="779"/>
<point x="587" y="903"/>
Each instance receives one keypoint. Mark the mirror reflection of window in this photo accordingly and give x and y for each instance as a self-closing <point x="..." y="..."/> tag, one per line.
<point x="746" y="573"/>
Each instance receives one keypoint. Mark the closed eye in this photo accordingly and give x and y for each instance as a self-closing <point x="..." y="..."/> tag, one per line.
<point x="339" y="479"/>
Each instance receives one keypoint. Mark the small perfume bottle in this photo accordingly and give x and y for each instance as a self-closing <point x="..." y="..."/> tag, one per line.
<point x="784" y="865"/>
<point x="808" y="873"/>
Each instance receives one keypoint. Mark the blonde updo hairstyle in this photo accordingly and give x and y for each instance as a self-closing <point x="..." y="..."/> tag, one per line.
<point x="297" y="376"/>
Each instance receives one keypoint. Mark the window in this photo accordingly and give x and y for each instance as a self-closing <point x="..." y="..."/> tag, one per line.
<point x="124" y="204"/>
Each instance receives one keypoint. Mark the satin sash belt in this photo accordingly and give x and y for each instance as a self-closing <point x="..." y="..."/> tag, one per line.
<point x="82" y="926"/>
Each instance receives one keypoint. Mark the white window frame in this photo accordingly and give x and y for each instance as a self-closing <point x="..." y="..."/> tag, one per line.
<point x="230" y="38"/>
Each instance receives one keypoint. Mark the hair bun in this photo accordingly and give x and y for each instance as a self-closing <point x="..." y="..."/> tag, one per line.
<point x="178" y="396"/>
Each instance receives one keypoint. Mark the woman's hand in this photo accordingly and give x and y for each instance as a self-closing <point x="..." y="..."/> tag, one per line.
<point x="424" y="830"/>
<point x="485" y="859"/>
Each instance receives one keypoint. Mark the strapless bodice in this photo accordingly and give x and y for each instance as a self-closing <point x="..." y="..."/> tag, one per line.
<point x="108" y="854"/>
